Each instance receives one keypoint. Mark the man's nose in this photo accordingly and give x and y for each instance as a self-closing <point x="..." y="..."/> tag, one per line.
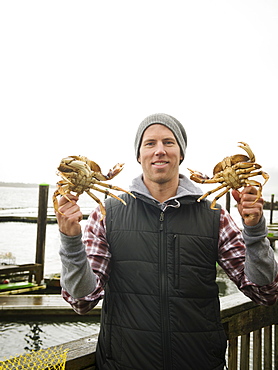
<point x="160" y="150"/>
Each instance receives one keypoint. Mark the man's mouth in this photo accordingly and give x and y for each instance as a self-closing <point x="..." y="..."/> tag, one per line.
<point x="160" y="163"/>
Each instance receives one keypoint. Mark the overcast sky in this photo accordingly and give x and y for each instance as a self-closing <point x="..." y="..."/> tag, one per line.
<point x="77" y="77"/>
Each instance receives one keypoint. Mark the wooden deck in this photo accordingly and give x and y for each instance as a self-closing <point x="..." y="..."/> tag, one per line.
<point x="38" y="304"/>
<point x="242" y="320"/>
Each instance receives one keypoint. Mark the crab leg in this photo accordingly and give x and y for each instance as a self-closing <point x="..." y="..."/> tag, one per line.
<point x="245" y="167"/>
<point x="62" y="192"/>
<point x="211" y="191"/>
<point x="212" y="206"/>
<point x="259" y="192"/>
<point x="111" y="187"/>
<point x="55" y="201"/>
<point x="264" y="174"/>
<point x="107" y="193"/>
<point x="102" y="209"/>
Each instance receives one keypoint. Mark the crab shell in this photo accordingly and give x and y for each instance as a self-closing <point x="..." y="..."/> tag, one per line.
<point x="234" y="159"/>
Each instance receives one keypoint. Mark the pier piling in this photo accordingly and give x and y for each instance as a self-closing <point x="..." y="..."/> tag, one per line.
<point x="41" y="226"/>
<point x="271" y="209"/>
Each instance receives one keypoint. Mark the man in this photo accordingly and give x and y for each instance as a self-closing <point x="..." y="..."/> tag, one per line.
<point x="155" y="259"/>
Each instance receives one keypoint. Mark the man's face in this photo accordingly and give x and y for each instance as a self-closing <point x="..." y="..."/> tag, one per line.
<point x="159" y="155"/>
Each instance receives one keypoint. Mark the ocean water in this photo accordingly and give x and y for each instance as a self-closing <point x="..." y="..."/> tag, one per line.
<point x="22" y="336"/>
<point x="20" y="240"/>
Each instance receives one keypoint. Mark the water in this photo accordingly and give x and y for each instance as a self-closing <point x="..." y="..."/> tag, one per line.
<point x="20" y="239"/>
<point x="37" y="333"/>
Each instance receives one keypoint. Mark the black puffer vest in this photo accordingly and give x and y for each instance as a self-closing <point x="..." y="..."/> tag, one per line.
<point x="161" y="306"/>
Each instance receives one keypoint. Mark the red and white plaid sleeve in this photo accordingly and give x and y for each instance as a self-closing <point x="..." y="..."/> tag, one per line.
<point x="231" y="257"/>
<point x="98" y="254"/>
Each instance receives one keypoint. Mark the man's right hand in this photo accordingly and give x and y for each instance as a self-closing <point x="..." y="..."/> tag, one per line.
<point x="70" y="216"/>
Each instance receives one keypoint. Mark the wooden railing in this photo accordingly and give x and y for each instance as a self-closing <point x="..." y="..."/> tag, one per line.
<point x="34" y="270"/>
<point x="252" y="332"/>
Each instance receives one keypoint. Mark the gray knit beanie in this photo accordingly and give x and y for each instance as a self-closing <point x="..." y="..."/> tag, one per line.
<point x="163" y="119"/>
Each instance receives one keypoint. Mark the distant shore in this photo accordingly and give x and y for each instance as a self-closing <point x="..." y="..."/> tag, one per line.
<point x="20" y="185"/>
<point x="267" y="204"/>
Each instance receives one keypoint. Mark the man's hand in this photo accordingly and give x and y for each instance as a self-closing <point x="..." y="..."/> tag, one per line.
<point x="71" y="215"/>
<point x="251" y="213"/>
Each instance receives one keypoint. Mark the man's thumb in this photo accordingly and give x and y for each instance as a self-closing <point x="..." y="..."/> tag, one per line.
<point x="236" y="195"/>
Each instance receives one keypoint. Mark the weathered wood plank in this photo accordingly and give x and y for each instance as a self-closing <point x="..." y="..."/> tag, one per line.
<point x="41" y="230"/>
<point x="81" y="353"/>
<point x="245" y="352"/>
<point x="248" y="318"/>
<point x="38" y="304"/>
<point x="268" y="348"/>
<point x="257" y="350"/>
<point x="276" y="346"/>
<point x="232" y="354"/>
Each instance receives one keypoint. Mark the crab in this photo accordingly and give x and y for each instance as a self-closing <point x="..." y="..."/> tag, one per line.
<point x="80" y="174"/>
<point x="232" y="173"/>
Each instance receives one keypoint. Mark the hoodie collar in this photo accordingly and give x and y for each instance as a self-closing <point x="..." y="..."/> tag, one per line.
<point x="186" y="188"/>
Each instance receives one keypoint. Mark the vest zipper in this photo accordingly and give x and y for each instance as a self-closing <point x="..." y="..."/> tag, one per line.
<point x="161" y="219"/>
<point x="165" y="330"/>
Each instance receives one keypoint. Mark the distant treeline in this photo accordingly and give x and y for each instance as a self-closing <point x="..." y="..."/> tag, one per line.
<point x="19" y="185"/>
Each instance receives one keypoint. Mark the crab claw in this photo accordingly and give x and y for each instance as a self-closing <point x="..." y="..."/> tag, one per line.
<point x="248" y="150"/>
<point x="115" y="171"/>
<point x="198" y="176"/>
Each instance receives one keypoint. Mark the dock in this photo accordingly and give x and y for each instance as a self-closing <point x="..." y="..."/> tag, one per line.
<point x="252" y="332"/>
<point x="34" y="271"/>
<point x="31" y="217"/>
<point x="39" y="304"/>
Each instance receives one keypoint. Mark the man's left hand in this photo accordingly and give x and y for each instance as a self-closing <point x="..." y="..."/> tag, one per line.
<point x="250" y="212"/>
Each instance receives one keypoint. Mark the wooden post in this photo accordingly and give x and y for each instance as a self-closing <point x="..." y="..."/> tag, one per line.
<point x="228" y="201"/>
<point x="271" y="208"/>
<point x="41" y="228"/>
<point x="276" y="346"/>
<point x="257" y="350"/>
